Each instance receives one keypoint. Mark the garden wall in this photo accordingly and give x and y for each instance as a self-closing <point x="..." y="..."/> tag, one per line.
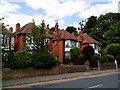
<point x="107" y="66"/>
<point x="31" y="72"/>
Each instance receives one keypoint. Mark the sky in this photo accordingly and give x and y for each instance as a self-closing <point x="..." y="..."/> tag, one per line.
<point x="66" y="12"/>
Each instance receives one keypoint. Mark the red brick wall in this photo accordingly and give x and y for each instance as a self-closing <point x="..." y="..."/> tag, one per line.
<point x="16" y="43"/>
<point x="61" y="50"/>
<point x="19" y="42"/>
<point x="82" y="46"/>
<point x="55" y="49"/>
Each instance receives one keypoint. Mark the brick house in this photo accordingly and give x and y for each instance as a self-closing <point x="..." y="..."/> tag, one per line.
<point x="60" y="42"/>
<point x="7" y="40"/>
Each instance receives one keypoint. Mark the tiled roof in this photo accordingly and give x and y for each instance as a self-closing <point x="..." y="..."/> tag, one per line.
<point x="6" y="31"/>
<point x="79" y="38"/>
<point x="26" y="29"/>
<point x="63" y="34"/>
<point x="88" y="39"/>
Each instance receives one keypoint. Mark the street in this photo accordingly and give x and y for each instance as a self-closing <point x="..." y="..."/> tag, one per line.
<point x="105" y="80"/>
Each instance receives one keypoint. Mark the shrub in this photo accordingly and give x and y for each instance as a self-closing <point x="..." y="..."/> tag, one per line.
<point x="75" y="52"/>
<point x="110" y="58"/>
<point x="19" y="60"/>
<point x="44" y="60"/>
<point x="88" y="52"/>
<point x="71" y="63"/>
<point x="118" y="57"/>
<point x="107" y="58"/>
<point x="113" y="49"/>
<point x="96" y="58"/>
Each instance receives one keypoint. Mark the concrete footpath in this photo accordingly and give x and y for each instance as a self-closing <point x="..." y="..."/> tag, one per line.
<point x="13" y="82"/>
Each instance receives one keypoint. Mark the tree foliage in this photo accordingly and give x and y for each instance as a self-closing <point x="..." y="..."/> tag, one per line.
<point x="44" y="60"/>
<point x="113" y="34"/>
<point x="21" y="59"/>
<point x="38" y="34"/>
<point x="75" y="52"/>
<point x="92" y="21"/>
<point x="113" y="49"/>
<point x="71" y="29"/>
<point x="106" y="25"/>
<point x="88" y="52"/>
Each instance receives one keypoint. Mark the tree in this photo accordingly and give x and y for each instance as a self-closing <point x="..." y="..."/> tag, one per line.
<point x="113" y="49"/>
<point x="38" y="35"/>
<point x="113" y="35"/>
<point x="71" y="29"/>
<point x="104" y="24"/>
<point x="41" y="58"/>
<point x="88" y="52"/>
<point x="92" y="21"/>
<point x="52" y="30"/>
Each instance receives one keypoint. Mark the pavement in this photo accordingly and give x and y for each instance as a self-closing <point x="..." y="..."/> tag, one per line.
<point x="22" y="81"/>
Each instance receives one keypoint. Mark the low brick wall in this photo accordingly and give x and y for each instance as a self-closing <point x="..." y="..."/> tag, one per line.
<point x="32" y="72"/>
<point x="107" y="66"/>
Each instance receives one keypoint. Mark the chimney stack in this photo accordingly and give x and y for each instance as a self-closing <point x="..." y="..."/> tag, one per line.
<point x="81" y="36"/>
<point x="56" y="28"/>
<point x="48" y="29"/>
<point x="17" y="27"/>
<point x="11" y="29"/>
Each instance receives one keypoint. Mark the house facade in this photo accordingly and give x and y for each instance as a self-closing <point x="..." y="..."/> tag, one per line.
<point x="7" y="40"/>
<point x="60" y="42"/>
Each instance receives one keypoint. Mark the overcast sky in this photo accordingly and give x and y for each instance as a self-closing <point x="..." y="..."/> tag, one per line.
<point x="67" y="12"/>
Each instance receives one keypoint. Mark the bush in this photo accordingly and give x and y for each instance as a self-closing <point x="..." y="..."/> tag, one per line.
<point x="19" y="60"/>
<point x="118" y="57"/>
<point x="110" y="58"/>
<point x="44" y="60"/>
<point x="96" y="58"/>
<point x="105" y="59"/>
<point x="113" y="49"/>
<point x="75" y="52"/>
<point x="71" y="64"/>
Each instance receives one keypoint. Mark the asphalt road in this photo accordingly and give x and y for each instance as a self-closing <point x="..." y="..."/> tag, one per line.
<point x="102" y="81"/>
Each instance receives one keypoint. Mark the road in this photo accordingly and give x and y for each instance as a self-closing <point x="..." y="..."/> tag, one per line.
<point x="106" y="80"/>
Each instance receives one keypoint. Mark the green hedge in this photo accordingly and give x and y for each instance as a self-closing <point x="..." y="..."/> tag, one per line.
<point x="44" y="60"/>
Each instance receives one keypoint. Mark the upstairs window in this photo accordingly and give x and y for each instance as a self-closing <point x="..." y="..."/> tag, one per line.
<point x="70" y="43"/>
<point x="67" y="43"/>
<point x="77" y="44"/>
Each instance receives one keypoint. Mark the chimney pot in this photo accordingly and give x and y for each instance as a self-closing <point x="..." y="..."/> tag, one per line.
<point x="48" y="29"/>
<point x="17" y="27"/>
<point x="81" y="35"/>
<point x="56" y="28"/>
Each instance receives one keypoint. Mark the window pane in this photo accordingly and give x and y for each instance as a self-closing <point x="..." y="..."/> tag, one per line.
<point x="67" y="55"/>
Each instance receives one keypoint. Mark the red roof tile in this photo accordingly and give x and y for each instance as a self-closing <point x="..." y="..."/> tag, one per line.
<point x="63" y="34"/>
<point x="88" y="39"/>
<point x="26" y="29"/>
